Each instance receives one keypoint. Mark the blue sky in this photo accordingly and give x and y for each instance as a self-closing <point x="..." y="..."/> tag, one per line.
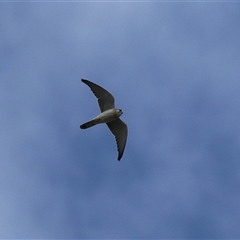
<point x="174" y="70"/>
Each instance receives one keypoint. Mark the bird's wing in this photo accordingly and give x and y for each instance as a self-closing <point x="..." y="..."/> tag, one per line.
<point x="119" y="130"/>
<point x="105" y="99"/>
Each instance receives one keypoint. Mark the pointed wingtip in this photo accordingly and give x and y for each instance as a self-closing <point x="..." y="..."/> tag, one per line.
<point x="85" y="81"/>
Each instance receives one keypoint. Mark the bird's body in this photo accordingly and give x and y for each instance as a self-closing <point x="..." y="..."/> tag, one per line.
<point x="109" y="115"/>
<point x="105" y="117"/>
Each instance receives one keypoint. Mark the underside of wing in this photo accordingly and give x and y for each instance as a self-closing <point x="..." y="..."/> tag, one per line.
<point x="105" y="98"/>
<point x="120" y="131"/>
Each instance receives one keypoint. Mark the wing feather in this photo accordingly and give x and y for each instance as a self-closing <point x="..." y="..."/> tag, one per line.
<point x="120" y="131"/>
<point x="105" y="98"/>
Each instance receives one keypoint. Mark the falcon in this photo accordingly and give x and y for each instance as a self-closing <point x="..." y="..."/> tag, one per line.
<point x="109" y="115"/>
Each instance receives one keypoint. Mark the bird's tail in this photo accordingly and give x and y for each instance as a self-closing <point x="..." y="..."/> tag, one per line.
<point x="88" y="124"/>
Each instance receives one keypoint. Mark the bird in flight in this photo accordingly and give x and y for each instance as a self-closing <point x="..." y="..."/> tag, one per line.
<point x="109" y="115"/>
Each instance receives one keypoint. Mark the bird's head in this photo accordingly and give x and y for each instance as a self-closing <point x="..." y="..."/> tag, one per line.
<point x="119" y="112"/>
